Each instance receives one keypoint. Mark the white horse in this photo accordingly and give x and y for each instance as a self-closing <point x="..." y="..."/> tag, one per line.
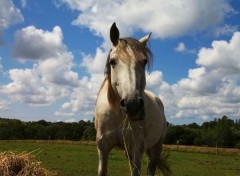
<point x="127" y="115"/>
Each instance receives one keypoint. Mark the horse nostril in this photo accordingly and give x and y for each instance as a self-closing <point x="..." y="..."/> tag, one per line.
<point x="141" y="102"/>
<point x="122" y="103"/>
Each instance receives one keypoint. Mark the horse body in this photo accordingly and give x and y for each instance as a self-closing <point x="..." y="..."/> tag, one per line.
<point x="109" y="121"/>
<point x="119" y="123"/>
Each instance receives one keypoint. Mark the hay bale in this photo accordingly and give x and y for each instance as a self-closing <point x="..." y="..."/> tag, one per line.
<point x="21" y="164"/>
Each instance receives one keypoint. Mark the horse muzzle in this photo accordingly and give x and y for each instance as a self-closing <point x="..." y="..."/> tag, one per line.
<point x="133" y="108"/>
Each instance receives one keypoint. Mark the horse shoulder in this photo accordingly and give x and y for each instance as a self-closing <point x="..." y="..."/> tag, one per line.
<point x="102" y="104"/>
<point x="106" y="117"/>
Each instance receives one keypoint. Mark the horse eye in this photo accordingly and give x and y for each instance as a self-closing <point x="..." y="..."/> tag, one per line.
<point x="113" y="62"/>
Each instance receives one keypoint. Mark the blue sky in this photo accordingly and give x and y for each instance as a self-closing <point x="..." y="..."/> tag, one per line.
<point x="53" y="52"/>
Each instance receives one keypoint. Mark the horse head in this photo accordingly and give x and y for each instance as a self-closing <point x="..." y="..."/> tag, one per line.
<point x="126" y="70"/>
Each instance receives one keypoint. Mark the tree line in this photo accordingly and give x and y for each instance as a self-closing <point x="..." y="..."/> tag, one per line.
<point x="222" y="132"/>
<point x="13" y="129"/>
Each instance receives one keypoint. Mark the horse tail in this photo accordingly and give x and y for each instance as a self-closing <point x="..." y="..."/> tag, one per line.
<point x="163" y="164"/>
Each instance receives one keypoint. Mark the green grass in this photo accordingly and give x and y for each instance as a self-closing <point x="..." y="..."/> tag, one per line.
<point x="73" y="159"/>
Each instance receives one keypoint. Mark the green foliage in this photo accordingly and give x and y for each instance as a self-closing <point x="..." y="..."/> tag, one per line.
<point x="222" y="132"/>
<point x="42" y="130"/>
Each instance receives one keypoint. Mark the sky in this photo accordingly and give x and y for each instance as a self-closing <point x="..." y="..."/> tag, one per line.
<point x="53" y="54"/>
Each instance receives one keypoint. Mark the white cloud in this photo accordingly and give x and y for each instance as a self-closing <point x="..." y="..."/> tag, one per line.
<point x="51" y="76"/>
<point x="69" y="114"/>
<point x="223" y="56"/>
<point x="1" y="66"/>
<point x="28" y="87"/>
<point x="225" y="30"/>
<point x="2" y="71"/>
<point x="9" y="15"/>
<point x="23" y="3"/>
<point x="76" y="4"/>
<point x="83" y="97"/>
<point x="58" y="70"/>
<point x="95" y="64"/>
<point x="4" y="105"/>
<point x="180" y="47"/>
<point x="154" y="80"/>
<point x="32" y="43"/>
<point x="163" y="18"/>
<point x="54" y="61"/>
<point x="213" y="89"/>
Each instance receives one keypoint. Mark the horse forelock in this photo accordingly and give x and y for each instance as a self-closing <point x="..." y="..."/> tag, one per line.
<point x="141" y="53"/>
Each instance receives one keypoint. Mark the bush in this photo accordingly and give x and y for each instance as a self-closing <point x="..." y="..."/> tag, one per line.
<point x="237" y="145"/>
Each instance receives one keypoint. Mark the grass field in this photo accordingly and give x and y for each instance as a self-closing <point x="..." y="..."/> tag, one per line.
<point x="74" y="159"/>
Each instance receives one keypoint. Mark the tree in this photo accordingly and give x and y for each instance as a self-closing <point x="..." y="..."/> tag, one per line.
<point x="224" y="132"/>
<point x="89" y="133"/>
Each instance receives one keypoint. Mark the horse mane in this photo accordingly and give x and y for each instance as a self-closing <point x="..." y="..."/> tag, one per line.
<point x="141" y="52"/>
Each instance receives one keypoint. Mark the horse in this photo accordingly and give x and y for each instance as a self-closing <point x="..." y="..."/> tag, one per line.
<point x="127" y="115"/>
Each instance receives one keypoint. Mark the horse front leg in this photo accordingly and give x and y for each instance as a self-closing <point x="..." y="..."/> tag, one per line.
<point x="102" y="164"/>
<point x="103" y="152"/>
<point x="136" y="165"/>
<point x="135" y="159"/>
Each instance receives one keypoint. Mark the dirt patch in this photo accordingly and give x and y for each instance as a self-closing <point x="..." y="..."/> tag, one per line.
<point x="213" y="150"/>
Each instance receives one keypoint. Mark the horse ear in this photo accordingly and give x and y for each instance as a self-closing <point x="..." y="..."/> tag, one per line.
<point x="114" y="34"/>
<point x="145" y="39"/>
